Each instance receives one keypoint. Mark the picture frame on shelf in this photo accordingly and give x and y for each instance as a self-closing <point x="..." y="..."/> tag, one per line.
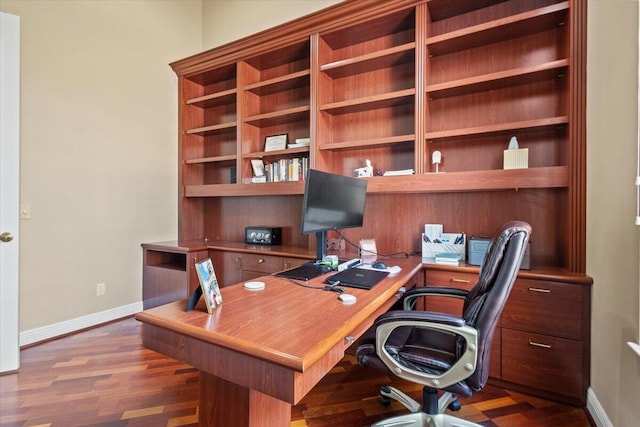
<point x="275" y="142"/>
<point x="209" y="284"/>
<point x="258" y="167"/>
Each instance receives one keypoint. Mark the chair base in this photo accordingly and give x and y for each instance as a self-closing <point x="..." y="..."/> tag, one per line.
<point x="421" y="419"/>
<point x="431" y="414"/>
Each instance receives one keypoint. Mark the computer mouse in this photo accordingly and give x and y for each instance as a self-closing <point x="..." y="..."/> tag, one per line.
<point x="379" y="265"/>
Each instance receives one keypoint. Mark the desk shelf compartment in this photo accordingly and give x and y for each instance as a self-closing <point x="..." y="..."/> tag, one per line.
<point x="367" y="94"/>
<point x="276" y="99"/>
<point x="487" y="80"/>
<point x="208" y="130"/>
<point x="168" y="272"/>
<point x="454" y="34"/>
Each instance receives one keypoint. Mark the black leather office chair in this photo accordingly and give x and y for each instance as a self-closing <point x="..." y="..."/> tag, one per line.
<point x="441" y="351"/>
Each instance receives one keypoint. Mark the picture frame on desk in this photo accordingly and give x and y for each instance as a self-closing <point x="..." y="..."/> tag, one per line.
<point x="209" y="284"/>
<point x="276" y="142"/>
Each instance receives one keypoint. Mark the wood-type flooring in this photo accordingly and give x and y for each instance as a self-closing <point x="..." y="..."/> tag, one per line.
<point x="104" y="377"/>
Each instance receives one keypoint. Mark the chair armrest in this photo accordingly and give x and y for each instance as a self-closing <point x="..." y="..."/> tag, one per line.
<point x="461" y="369"/>
<point x="421" y="316"/>
<point x="411" y="296"/>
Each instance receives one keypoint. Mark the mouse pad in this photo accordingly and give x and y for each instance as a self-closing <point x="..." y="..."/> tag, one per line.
<point x="358" y="278"/>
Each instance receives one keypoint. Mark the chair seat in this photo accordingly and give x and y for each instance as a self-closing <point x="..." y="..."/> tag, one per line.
<point x="422" y="360"/>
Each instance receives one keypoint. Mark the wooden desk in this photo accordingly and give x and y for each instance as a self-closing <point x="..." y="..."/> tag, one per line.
<point x="262" y="351"/>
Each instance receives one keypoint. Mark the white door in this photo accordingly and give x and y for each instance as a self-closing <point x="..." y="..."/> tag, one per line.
<point x="9" y="189"/>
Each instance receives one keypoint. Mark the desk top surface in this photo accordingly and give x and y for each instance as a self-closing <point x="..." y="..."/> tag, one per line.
<point x="287" y="324"/>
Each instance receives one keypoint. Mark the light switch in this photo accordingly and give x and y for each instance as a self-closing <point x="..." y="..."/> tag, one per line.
<point x="25" y="211"/>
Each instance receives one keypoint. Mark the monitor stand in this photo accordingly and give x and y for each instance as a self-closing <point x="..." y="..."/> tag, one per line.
<point x="321" y="245"/>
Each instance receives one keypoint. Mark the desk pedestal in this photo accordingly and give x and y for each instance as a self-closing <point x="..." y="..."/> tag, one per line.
<point x="223" y="403"/>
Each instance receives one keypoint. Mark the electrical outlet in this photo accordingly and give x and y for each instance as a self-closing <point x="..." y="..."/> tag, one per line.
<point x="101" y="289"/>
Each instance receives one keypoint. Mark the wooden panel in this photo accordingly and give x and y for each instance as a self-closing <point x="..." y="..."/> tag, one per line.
<point x="543" y="362"/>
<point x="162" y="285"/>
<point x="545" y="308"/>
<point x="241" y="406"/>
<point x="228" y="266"/>
<point x="261" y="263"/>
<point x="452" y="280"/>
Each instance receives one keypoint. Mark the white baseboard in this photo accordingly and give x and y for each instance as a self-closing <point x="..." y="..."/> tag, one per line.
<point x="57" y="329"/>
<point x="596" y="411"/>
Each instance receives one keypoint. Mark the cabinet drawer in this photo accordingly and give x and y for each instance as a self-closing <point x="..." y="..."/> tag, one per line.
<point x="544" y="362"/>
<point x="261" y="263"/>
<point x="545" y="307"/>
<point x="449" y="279"/>
<point x="294" y="262"/>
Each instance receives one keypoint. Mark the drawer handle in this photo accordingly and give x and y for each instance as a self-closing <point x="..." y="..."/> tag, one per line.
<point x="537" y="344"/>
<point x="454" y="280"/>
<point x="260" y="261"/>
<point x="543" y="291"/>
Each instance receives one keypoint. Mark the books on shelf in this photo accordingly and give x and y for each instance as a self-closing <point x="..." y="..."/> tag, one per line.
<point x="300" y="142"/>
<point x="285" y="170"/>
<point x="399" y="172"/>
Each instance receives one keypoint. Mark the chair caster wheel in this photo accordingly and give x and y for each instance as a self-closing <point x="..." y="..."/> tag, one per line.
<point x="454" y="406"/>
<point x="385" y="401"/>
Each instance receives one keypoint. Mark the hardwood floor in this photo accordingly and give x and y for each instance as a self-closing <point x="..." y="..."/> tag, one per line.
<point x="104" y="377"/>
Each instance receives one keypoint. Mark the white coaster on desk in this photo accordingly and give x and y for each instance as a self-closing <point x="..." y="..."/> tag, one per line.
<point x="254" y="286"/>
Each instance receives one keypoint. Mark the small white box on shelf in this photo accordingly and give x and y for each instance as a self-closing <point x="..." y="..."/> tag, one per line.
<point x="516" y="159"/>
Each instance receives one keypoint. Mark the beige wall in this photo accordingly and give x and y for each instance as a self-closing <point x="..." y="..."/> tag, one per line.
<point x="224" y="21"/>
<point x="612" y="238"/>
<point x="98" y="147"/>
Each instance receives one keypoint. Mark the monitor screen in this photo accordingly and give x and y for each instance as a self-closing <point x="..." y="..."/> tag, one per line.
<point x="331" y="202"/>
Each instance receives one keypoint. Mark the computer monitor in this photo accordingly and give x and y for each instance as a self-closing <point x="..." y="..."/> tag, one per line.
<point x="331" y="202"/>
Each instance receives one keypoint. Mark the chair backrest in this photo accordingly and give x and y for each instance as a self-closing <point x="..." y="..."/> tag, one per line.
<point x="483" y="306"/>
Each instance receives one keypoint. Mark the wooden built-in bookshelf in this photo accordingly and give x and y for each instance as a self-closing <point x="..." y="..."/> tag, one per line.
<point x="394" y="82"/>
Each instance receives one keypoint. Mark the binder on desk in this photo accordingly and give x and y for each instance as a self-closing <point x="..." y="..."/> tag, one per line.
<point x="357" y="278"/>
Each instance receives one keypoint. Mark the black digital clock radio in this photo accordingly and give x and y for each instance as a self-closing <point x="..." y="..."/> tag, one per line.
<point x="263" y="235"/>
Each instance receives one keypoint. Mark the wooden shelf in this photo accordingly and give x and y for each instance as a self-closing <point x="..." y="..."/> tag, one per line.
<point x="209" y="130"/>
<point x="494" y="31"/>
<point x="499" y="80"/>
<point x="371" y="61"/>
<point x="471" y="181"/>
<point x="353" y="145"/>
<point x="215" y="99"/>
<point x="276" y="153"/>
<point x="279" y="84"/>
<point x="211" y="159"/>
<point x="497" y="128"/>
<point x="237" y="190"/>
<point x="279" y="117"/>
<point x="449" y="182"/>
<point x="370" y="102"/>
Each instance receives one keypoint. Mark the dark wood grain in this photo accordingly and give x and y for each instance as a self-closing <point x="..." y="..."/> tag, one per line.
<point x="104" y="377"/>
